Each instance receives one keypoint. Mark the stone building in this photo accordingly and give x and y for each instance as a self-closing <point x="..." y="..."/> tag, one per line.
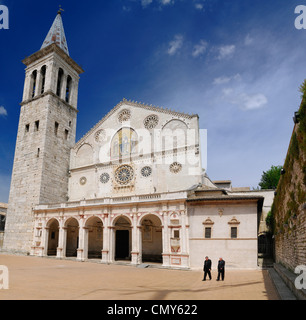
<point x="133" y="188"/>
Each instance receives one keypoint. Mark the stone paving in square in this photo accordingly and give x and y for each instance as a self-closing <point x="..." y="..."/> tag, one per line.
<point x="32" y="278"/>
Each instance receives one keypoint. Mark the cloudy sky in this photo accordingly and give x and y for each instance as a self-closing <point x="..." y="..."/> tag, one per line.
<point x="238" y="64"/>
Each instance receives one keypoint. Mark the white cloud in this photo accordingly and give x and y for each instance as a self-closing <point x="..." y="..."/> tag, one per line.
<point x="145" y="3"/>
<point x="3" y="111"/>
<point x="199" y="6"/>
<point x="251" y="102"/>
<point x="226" y="51"/>
<point x="175" y="44"/>
<point x="199" y="49"/>
<point x="224" y="79"/>
<point x="166" y="2"/>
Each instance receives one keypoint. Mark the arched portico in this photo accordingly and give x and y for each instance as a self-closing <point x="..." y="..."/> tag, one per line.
<point x="151" y="238"/>
<point x="53" y="237"/>
<point x="72" y="237"/>
<point x="122" y="238"/>
<point x="94" y="237"/>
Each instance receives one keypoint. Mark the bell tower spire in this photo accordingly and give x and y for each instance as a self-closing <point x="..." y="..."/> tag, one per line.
<point x="56" y="34"/>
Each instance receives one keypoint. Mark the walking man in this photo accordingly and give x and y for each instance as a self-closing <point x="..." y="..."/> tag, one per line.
<point x="221" y="269"/>
<point x="207" y="268"/>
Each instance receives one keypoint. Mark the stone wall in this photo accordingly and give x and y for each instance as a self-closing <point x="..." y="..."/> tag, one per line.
<point x="288" y="209"/>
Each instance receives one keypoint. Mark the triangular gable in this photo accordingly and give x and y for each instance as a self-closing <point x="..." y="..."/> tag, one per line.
<point x="132" y="104"/>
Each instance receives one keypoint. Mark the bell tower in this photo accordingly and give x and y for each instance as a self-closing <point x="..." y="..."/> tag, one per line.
<point x="46" y="134"/>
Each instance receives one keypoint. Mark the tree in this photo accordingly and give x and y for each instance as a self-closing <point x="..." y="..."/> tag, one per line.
<point x="269" y="179"/>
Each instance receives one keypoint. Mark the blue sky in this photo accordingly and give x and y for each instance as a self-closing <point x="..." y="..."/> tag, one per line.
<point x="238" y="64"/>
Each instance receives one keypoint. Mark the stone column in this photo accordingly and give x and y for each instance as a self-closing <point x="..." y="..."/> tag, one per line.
<point x="83" y="234"/>
<point x="62" y="238"/>
<point x="135" y="241"/>
<point x="166" y="241"/>
<point x="106" y="240"/>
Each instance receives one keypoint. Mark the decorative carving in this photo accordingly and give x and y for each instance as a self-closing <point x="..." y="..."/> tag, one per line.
<point x="175" y="167"/>
<point x="146" y="171"/>
<point x="151" y="121"/>
<point x="83" y="181"/>
<point x="208" y="222"/>
<point x="124" y="115"/>
<point x="124" y="174"/>
<point x="234" y="221"/>
<point x="100" y="135"/>
<point x="104" y="178"/>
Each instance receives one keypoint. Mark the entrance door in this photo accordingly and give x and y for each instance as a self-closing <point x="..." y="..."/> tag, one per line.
<point x="122" y="244"/>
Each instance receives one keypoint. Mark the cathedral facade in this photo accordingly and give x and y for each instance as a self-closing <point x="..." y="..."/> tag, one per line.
<point x="132" y="189"/>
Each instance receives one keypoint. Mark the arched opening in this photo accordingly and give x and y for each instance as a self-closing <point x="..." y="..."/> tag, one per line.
<point x="59" y="81"/>
<point x="33" y="83"/>
<point x="124" y="143"/>
<point x="68" y="89"/>
<point x="152" y="243"/>
<point x="72" y="242"/>
<point x="43" y="78"/>
<point x="53" y="226"/>
<point x="95" y="238"/>
<point x="123" y="239"/>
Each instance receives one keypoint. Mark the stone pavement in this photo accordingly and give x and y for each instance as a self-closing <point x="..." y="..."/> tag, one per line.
<point x="32" y="278"/>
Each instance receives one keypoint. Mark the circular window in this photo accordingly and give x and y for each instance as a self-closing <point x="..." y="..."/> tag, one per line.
<point x="83" y="181"/>
<point x="176" y="167"/>
<point x="104" y="178"/>
<point x="124" y="115"/>
<point x="100" y="135"/>
<point x="146" y="171"/>
<point x="151" y="121"/>
<point x="124" y="174"/>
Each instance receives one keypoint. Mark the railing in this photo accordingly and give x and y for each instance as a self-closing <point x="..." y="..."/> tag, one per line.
<point x="115" y="200"/>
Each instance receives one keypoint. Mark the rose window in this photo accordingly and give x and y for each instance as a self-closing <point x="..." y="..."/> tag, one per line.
<point x="124" y="174"/>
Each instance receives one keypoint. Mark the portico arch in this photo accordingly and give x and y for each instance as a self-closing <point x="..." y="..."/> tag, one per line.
<point x="151" y="238"/>
<point x="72" y="237"/>
<point x="53" y="237"/>
<point x="94" y="227"/>
<point x="123" y="238"/>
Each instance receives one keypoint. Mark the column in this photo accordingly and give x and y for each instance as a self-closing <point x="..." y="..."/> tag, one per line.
<point x="83" y="234"/>
<point x="166" y="243"/>
<point x="135" y="241"/>
<point x="62" y="238"/>
<point x="106" y="240"/>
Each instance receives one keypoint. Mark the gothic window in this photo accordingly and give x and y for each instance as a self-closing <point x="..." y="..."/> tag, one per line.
<point x="66" y="134"/>
<point x="43" y="79"/>
<point x="59" y="81"/>
<point x="124" y="143"/>
<point x="68" y="89"/>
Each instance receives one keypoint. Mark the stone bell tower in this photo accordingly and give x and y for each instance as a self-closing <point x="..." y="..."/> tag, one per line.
<point x="46" y="134"/>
